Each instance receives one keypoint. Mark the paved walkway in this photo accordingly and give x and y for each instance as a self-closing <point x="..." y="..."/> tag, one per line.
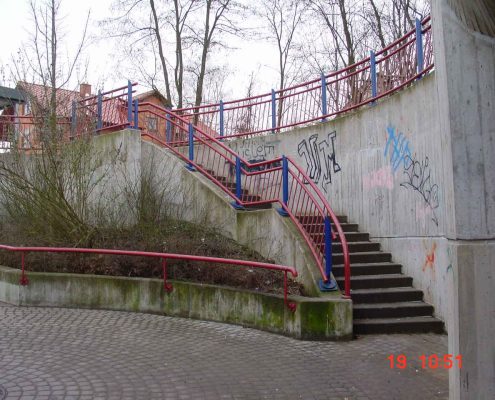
<point x="49" y="353"/>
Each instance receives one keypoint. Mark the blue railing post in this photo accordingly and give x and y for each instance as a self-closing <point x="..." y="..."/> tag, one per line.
<point x="274" y="112"/>
<point x="129" y="102"/>
<point x="73" y="122"/>
<point x="419" y="45"/>
<point x="221" y="120"/>
<point x="136" y="115"/>
<point x="238" y="184"/>
<point x="373" y="73"/>
<point x="99" y="111"/>
<point x="324" y="110"/>
<point x="330" y="285"/>
<point x="285" y="187"/>
<point x="190" y="166"/>
<point x="168" y="129"/>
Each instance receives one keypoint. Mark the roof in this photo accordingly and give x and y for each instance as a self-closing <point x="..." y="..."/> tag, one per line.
<point x="41" y="95"/>
<point x="8" y="96"/>
<point x="153" y="93"/>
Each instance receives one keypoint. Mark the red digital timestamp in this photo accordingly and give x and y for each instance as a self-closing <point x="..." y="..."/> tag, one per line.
<point x="432" y="361"/>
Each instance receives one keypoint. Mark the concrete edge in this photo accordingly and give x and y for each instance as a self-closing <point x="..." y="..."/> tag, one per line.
<point x="314" y="319"/>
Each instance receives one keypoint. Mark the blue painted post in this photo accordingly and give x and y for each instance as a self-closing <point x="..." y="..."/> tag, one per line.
<point x="99" y="111"/>
<point x="73" y="121"/>
<point x="274" y="112"/>
<point x="136" y="119"/>
<point x="238" y="184"/>
<point x="373" y="73"/>
<point x="285" y="187"/>
<point x="324" y="110"/>
<point x="168" y="129"/>
<point x="330" y="285"/>
<point x="419" y="45"/>
<point x="238" y="178"/>
<point x="221" y="120"/>
<point x="190" y="166"/>
<point x="129" y="102"/>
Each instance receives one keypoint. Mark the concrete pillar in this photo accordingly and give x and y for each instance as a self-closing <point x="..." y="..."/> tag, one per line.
<point x="465" y="72"/>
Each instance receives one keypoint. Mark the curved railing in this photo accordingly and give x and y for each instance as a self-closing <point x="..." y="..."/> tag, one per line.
<point x="252" y="184"/>
<point x="379" y="75"/>
<point x="161" y="256"/>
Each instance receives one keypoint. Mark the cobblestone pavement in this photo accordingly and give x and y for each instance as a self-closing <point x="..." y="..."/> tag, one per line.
<point x="52" y="353"/>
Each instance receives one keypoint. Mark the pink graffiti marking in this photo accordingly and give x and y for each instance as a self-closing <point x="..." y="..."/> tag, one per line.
<point x="381" y="178"/>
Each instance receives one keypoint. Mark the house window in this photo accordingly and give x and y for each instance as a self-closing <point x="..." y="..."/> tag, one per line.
<point x="152" y="124"/>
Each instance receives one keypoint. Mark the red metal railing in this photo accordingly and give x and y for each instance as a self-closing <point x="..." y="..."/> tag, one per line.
<point x="161" y="256"/>
<point x="394" y="67"/>
<point x="26" y="131"/>
<point x="249" y="184"/>
<point x="105" y="111"/>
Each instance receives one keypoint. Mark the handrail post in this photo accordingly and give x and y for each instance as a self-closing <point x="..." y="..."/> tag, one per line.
<point x="324" y="109"/>
<point x="129" y="102"/>
<point x="285" y="187"/>
<point x="73" y="122"/>
<point x="168" y="129"/>
<point x="136" y="119"/>
<point x="373" y="74"/>
<point x="274" y="112"/>
<point x="222" y="127"/>
<point x="329" y="285"/>
<point x="419" y="46"/>
<point x="24" y="279"/>
<point x="190" y="166"/>
<point x="238" y="185"/>
<point x="99" y="111"/>
<point x="166" y="285"/>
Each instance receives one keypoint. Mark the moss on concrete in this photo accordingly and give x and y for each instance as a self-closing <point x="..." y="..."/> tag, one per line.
<point x="329" y="318"/>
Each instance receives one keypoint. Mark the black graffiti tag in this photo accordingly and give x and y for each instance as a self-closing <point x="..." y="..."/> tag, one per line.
<point x="419" y="178"/>
<point x="313" y="153"/>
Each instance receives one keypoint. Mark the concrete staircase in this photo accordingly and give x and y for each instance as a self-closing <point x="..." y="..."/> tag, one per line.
<point x="245" y="196"/>
<point x="384" y="300"/>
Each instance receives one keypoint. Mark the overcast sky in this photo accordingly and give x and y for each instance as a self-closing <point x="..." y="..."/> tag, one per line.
<point x="16" y="23"/>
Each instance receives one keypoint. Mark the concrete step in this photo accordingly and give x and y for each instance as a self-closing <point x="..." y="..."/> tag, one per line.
<point x="356" y="237"/>
<point x="377" y="281"/>
<point x="318" y="219"/>
<point x="392" y="310"/>
<point x="358" y="269"/>
<point x="356" y="247"/>
<point x="386" y="295"/>
<point x="363" y="257"/>
<point x="398" y="325"/>
<point x="320" y="228"/>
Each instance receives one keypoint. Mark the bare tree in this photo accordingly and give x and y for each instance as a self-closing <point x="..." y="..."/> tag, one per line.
<point x="217" y="21"/>
<point x="41" y="58"/>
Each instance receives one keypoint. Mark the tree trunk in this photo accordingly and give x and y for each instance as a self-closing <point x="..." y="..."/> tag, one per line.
<point x="160" y="50"/>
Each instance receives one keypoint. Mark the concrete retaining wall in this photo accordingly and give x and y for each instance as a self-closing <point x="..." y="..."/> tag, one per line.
<point x="313" y="319"/>
<point x="386" y="167"/>
<point x="200" y="201"/>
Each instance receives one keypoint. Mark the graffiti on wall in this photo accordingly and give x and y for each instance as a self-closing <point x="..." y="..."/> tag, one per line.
<point x="255" y="150"/>
<point x="381" y="178"/>
<point x="417" y="172"/>
<point x="396" y="148"/>
<point x="320" y="158"/>
<point x="418" y="178"/>
<point x="430" y="258"/>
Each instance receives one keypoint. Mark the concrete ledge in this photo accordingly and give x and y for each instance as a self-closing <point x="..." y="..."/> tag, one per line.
<point x="315" y="318"/>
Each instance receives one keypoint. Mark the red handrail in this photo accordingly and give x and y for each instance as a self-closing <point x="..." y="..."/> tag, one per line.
<point x="302" y="103"/>
<point x="218" y="152"/>
<point x="162" y="256"/>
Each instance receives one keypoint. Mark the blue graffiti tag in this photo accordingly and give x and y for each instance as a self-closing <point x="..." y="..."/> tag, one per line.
<point x="397" y="148"/>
